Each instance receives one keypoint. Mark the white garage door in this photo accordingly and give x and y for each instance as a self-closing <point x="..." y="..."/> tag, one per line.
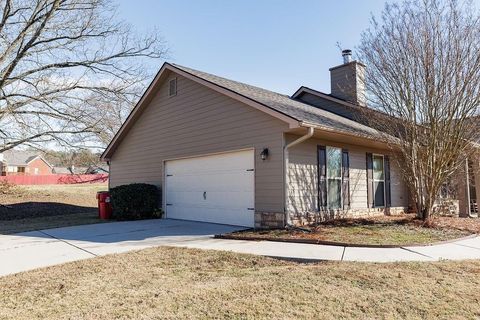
<point x="217" y="188"/>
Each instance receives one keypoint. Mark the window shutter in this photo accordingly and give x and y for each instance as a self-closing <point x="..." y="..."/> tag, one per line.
<point x="322" y="177"/>
<point x="345" y="179"/>
<point x="388" y="193"/>
<point x="370" y="180"/>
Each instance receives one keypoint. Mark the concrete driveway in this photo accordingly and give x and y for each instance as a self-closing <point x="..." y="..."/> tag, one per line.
<point x="35" y="249"/>
<point x="30" y="250"/>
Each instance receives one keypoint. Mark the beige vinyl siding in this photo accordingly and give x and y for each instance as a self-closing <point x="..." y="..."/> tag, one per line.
<point x="303" y="176"/>
<point x="199" y="121"/>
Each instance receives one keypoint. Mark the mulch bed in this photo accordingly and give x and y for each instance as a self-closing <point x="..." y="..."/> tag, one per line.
<point x="382" y="231"/>
<point x="471" y="225"/>
<point x="465" y="224"/>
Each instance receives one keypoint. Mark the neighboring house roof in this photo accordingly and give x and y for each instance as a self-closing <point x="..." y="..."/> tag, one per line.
<point x="294" y="112"/>
<point x="21" y="158"/>
<point x="69" y="170"/>
<point x="97" y="169"/>
<point x="61" y="170"/>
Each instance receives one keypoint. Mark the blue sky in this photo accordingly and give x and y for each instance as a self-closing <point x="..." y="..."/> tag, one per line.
<point x="275" y="44"/>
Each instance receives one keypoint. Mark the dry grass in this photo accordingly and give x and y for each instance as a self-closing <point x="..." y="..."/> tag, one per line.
<point x="466" y="224"/>
<point x="385" y="230"/>
<point x="177" y="283"/>
<point x="49" y="200"/>
<point x="48" y="206"/>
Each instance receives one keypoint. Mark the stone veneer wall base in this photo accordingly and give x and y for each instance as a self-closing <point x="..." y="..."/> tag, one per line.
<point x="275" y="220"/>
<point x="306" y="218"/>
<point x="269" y="220"/>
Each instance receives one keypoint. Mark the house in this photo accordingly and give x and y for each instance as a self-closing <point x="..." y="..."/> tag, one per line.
<point x="97" y="169"/>
<point x="468" y="180"/>
<point x="61" y="170"/>
<point x="227" y="152"/>
<point x="18" y="162"/>
<point x="70" y="170"/>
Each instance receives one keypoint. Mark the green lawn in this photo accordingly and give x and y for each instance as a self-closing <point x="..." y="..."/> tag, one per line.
<point x="175" y="283"/>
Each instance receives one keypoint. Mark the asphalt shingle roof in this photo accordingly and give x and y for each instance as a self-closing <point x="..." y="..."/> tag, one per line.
<point x="18" y="158"/>
<point x="284" y="104"/>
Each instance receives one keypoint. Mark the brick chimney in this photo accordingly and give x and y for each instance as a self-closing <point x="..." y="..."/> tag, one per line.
<point x="348" y="80"/>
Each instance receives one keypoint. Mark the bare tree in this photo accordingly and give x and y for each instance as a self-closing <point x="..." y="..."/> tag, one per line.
<point x="113" y="109"/>
<point x="74" y="157"/>
<point x="60" y="61"/>
<point x="423" y="72"/>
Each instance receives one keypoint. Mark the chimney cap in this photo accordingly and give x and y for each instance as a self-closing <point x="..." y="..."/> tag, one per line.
<point x="347" y="56"/>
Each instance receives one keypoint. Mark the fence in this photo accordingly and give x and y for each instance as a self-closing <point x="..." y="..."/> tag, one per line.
<point x="56" y="179"/>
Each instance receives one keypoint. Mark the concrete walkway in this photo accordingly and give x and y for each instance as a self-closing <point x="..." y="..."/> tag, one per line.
<point x="30" y="250"/>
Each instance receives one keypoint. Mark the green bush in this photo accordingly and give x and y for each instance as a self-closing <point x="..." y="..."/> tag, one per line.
<point x="135" y="201"/>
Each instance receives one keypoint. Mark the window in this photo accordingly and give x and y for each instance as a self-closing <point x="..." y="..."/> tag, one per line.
<point x="21" y="169"/>
<point x="35" y="170"/>
<point x="378" y="181"/>
<point x="172" y="90"/>
<point x="333" y="178"/>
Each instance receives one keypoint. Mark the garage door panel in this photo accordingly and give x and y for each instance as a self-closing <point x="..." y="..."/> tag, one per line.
<point x="222" y="162"/>
<point x="223" y="198"/>
<point x="233" y="181"/>
<point x="217" y="188"/>
<point x="215" y="215"/>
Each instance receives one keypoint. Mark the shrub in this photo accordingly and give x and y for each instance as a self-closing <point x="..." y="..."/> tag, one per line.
<point x="135" y="201"/>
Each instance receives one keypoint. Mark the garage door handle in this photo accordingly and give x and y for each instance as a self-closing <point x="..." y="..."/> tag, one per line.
<point x="204" y="195"/>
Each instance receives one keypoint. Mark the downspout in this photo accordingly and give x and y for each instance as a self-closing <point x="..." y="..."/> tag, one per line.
<point x="108" y="164"/>
<point x="468" y="196"/>
<point x="309" y="134"/>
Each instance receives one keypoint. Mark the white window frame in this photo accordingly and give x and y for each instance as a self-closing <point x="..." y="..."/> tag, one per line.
<point x="335" y="178"/>
<point x="378" y="180"/>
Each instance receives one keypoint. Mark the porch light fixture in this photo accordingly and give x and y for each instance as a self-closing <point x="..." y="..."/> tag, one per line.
<point x="264" y="154"/>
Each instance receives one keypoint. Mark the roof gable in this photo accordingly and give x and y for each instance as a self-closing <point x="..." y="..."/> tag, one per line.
<point x="304" y="113"/>
<point x="156" y="83"/>
<point x="21" y="158"/>
<point x="283" y="107"/>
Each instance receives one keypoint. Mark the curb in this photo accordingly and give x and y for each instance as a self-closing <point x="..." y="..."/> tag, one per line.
<point x="339" y="244"/>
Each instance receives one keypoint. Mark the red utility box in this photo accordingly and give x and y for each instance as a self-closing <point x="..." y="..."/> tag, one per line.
<point x="104" y="206"/>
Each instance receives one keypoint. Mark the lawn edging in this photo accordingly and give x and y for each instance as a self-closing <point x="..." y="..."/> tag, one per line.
<point x="232" y="236"/>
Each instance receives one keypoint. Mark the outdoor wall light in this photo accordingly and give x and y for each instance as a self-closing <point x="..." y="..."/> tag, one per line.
<point x="264" y="154"/>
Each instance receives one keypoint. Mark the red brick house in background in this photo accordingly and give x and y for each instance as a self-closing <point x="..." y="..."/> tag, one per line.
<point x="16" y="162"/>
